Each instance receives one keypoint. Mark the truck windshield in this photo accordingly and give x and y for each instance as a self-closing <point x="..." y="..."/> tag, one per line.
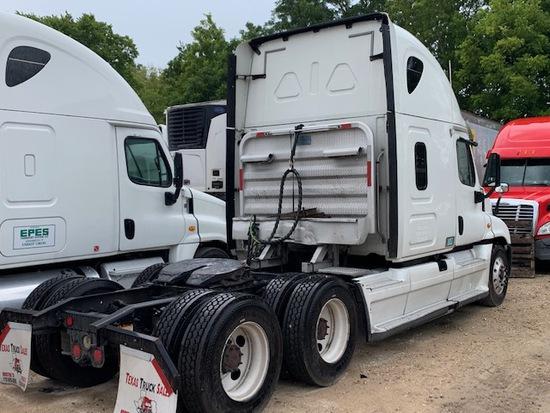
<point x="525" y="172"/>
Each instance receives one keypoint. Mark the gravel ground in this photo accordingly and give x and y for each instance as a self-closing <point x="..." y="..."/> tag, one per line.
<point x="476" y="360"/>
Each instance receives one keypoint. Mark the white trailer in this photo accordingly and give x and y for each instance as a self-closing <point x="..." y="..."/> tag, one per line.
<point x="357" y="210"/>
<point x="84" y="170"/>
<point x="198" y="132"/>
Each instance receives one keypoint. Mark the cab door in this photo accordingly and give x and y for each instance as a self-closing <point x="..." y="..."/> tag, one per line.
<point x="471" y="220"/>
<point x="145" y="175"/>
<point x="471" y="225"/>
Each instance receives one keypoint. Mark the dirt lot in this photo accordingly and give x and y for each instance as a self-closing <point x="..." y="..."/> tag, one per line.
<point x="476" y="360"/>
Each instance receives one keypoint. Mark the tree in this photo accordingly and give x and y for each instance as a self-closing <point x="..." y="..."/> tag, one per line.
<point x="118" y="50"/>
<point x="291" y="14"/>
<point x="505" y="61"/>
<point x="366" y="7"/>
<point x="153" y="90"/>
<point x="199" y="71"/>
<point x="441" y="25"/>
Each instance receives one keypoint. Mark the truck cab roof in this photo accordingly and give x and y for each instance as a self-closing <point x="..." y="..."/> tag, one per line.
<point x="44" y="71"/>
<point x="524" y="138"/>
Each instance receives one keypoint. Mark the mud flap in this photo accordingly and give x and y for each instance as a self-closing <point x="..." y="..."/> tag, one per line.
<point x="15" y="354"/>
<point x="143" y="386"/>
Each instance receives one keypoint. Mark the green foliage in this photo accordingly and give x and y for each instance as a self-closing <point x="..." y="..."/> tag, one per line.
<point x="366" y="7"/>
<point x="119" y="51"/>
<point x="290" y="14"/>
<point x="153" y="90"/>
<point x="441" y="25"/>
<point x="505" y="61"/>
<point x="499" y="49"/>
<point x="199" y="70"/>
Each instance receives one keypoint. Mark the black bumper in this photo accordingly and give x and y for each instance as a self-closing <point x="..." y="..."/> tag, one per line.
<point x="542" y="249"/>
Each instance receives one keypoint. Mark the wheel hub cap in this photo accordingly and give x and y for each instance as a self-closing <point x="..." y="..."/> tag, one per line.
<point x="322" y="329"/>
<point x="333" y="330"/>
<point x="245" y="361"/>
<point x="232" y="358"/>
<point x="500" y="275"/>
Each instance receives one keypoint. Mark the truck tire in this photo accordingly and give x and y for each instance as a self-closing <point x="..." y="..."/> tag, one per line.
<point x="48" y="346"/>
<point x="278" y="291"/>
<point x="319" y="330"/>
<point x="175" y="318"/>
<point x="211" y="252"/>
<point x="148" y="274"/>
<point x="499" y="272"/>
<point x="35" y="301"/>
<point x="230" y="356"/>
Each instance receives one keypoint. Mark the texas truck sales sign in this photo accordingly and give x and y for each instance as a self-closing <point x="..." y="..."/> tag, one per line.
<point x="142" y="386"/>
<point x="15" y="354"/>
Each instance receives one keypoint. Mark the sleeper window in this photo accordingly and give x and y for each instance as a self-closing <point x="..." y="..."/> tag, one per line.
<point x="421" y="166"/>
<point x="466" y="171"/>
<point x="25" y="62"/>
<point x="415" y="67"/>
<point x="146" y="163"/>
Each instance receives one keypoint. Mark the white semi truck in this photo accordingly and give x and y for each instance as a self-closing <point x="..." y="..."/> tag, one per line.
<point x="84" y="171"/>
<point x="353" y="204"/>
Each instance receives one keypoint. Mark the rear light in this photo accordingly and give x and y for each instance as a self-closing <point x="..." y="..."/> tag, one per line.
<point x="260" y="134"/>
<point x="369" y="173"/>
<point x="345" y="126"/>
<point x="98" y="357"/>
<point x="76" y="352"/>
<point x="241" y="179"/>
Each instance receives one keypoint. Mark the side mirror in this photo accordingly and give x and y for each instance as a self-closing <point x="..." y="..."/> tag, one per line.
<point x="502" y="189"/>
<point x="492" y="172"/>
<point x="169" y="197"/>
<point x="178" y="170"/>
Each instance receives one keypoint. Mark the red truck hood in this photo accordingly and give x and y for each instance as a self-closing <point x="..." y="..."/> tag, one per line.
<point x="529" y="193"/>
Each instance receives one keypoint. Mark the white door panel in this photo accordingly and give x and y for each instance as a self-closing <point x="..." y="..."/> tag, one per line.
<point x="426" y="204"/>
<point x="471" y="220"/>
<point x="144" y="178"/>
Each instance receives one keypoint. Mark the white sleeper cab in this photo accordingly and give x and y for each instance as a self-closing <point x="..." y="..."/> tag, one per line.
<point x="354" y="162"/>
<point x="352" y="204"/>
<point x="84" y="171"/>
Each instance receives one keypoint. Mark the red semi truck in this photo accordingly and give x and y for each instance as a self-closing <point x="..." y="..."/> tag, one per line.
<point x="524" y="148"/>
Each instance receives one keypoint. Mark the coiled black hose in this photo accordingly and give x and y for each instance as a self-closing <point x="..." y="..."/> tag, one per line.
<point x="253" y="241"/>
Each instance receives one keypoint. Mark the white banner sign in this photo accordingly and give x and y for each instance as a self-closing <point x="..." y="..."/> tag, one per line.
<point x="15" y="354"/>
<point x="143" y="386"/>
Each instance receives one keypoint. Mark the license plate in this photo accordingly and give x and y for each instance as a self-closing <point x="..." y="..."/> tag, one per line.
<point x="143" y="386"/>
<point x="15" y="354"/>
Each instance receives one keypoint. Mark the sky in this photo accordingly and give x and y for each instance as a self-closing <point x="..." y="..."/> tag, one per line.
<point x="157" y="27"/>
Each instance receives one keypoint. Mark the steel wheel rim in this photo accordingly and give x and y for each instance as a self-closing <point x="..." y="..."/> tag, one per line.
<point x="243" y="381"/>
<point x="499" y="275"/>
<point x="333" y="330"/>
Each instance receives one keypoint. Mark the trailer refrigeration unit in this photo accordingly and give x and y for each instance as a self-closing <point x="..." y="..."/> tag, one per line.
<point x="198" y="131"/>
<point x="353" y="204"/>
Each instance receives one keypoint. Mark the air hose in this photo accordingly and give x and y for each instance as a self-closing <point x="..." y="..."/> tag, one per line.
<point x="254" y="243"/>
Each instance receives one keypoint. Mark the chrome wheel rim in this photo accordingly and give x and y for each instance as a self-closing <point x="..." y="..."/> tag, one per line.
<point x="499" y="275"/>
<point x="333" y="330"/>
<point x="244" y="362"/>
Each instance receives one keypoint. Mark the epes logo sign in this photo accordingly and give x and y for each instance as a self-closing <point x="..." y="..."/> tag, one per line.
<point x="34" y="232"/>
<point x="36" y="236"/>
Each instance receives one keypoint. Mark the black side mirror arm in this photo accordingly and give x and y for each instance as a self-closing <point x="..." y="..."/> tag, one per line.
<point x="169" y="197"/>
